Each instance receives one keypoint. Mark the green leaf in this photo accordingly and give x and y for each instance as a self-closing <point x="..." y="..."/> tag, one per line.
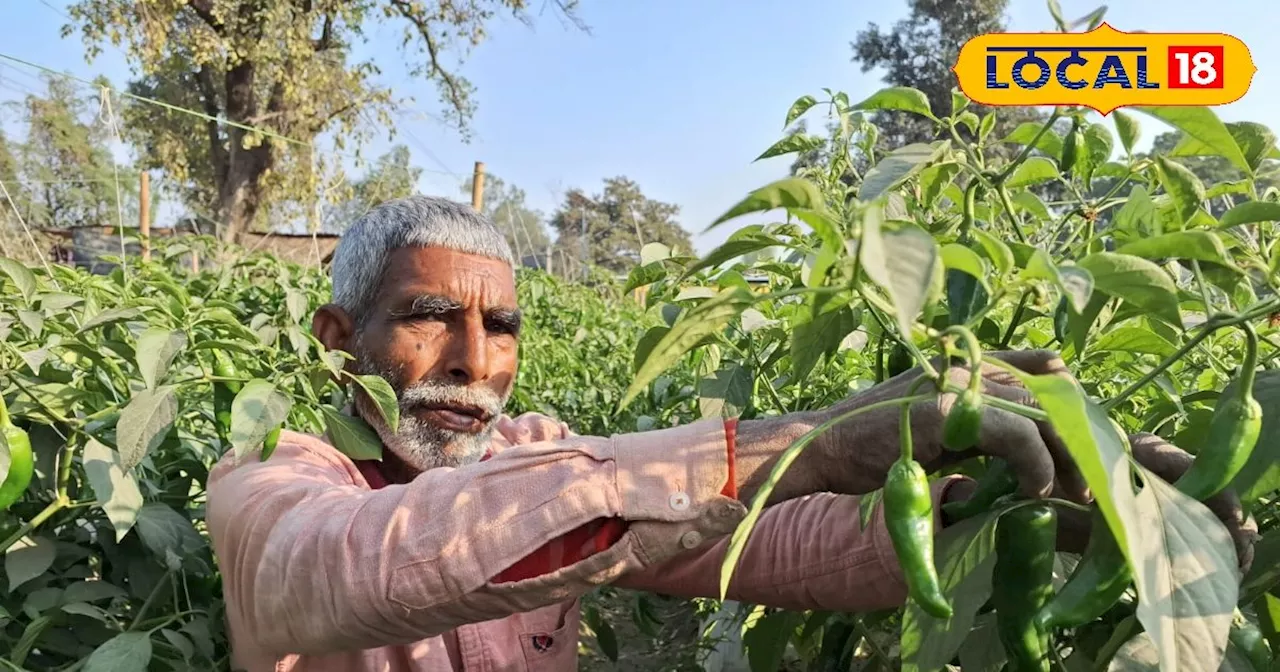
<point x="257" y="409"/>
<point x="157" y="347"/>
<point x="1254" y="140"/>
<point x="55" y="302"/>
<point x="1187" y="579"/>
<point x="727" y="251"/>
<point x="959" y="101"/>
<point x="815" y="337"/>
<point x="791" y="192"/>
<point x="645" y="274"/>
<point x="1098" y="143"/>
<point x="144" y="422"/>
<point x="1261" y="474"/>
<point x="867" y="507"/>
<point x="1127" y="129"/>
<point x="726" y="393"/>
<point x="1099" y="453"/>
<point x="1203" y="124"/>
<point x="958" y="257"/>
<point x="351" y="435"/>
<point x="110" y="316"/>
<point x="791" y="144"/>
<point x="165" y="532"/>
<point x="899" y="165"/>
<point x="934" y="179"/>
<point x="1201" y="245"/>
<point x="22" y="277"/>
<point x="1050" y="143"/>
<point x="702" y="320"/>
<point x="1138" y="216"/>
<point x="798" y="108"/>
<point x="1134" y="339"/>
<point x="91" y="591"/>
<point x="295" y="303"/>
<point x="645" y="345"/>
<point x="652" y="252"/>
<point x="114" y="486"/>
<point x="1135" y="280"/>
<point x="1250" y="213"/>
<point x="1077" y="284"/>
<point x="969" y="120"/>
<point x="27" y="559"/>
<point x="1034" y="170"/>
<point x="33" y="321"/>
<point x="981" y="650"/>
<point x="126" y="652"/>
<point x="902" y="98"/>
<point x="1055" y="10"/>
<point x="997" y="251"/>
<point x="1182" y="185"/>
<point x="903" y="263"/>
<point x="766" y="640"/>
<point x="1030" y="203"/>
<point x="379" y="390"/>
<point x="965" y="555"/>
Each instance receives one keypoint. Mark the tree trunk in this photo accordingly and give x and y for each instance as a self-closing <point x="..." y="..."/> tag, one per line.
<point x="240" y="195"/>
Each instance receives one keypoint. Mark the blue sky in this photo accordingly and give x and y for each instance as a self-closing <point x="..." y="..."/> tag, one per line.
<point x="679" y="95"/>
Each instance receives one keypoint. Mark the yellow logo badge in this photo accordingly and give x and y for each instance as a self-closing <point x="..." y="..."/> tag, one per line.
<point x="1104" y="69"/>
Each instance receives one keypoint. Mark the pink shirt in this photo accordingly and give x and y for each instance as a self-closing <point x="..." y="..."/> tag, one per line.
<point x="322" y="572"/>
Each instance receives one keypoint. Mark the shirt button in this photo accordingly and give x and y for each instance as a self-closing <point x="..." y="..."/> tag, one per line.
<point x="690" y="539"/>
<point x="679" y="501"/>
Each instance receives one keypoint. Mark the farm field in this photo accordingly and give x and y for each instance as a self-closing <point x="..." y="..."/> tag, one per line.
<point x="1162" y="310"/>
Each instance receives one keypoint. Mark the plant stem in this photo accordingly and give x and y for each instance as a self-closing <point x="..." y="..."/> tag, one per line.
<point x="1008" y="208"/>
<point x="1204" y="287"/>
<point x="1013" y="323"/>
<point x="151" y="599"/>
<point x="871" y="644"/>
<point x="46" y="513"/>
<point x="1026" y="150"/>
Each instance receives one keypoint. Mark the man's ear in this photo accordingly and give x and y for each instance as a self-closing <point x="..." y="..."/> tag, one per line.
<point x="332" y="326"/>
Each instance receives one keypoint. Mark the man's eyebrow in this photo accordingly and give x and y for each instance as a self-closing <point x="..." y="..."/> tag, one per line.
<point x="430" y="304"/>
<point x="509" y="318"/>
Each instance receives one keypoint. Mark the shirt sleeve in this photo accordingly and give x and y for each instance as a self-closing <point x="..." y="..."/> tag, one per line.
<point x="313" y="561"/>
<point x="598" y="535"/>
<point x="804" y="553"/>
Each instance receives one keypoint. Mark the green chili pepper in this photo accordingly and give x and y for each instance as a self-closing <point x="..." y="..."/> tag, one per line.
<point x="999" y="480"/>
<point x="1060" y="320"/>
<point x="1096" y="584"/>
<point x="1248" y="638"/>
<point x="964" y="422"/>
<point x="21" y="461"/>
<point x="1071" y="148"/>
<point x="1233" y="432"/>
<point x="269" y="446"/>
<point x="900" y="360"/>
<point x="1026" y="541"/>
<point x="908" y="511"/>
<point x="224" y="393"/>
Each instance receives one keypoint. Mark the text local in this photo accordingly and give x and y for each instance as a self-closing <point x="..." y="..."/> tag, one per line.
<point x="1112" y="71"/>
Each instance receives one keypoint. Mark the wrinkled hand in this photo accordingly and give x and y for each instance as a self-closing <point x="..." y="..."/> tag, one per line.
<point x="859" y="452"/>
<point x="1169" y="463"/>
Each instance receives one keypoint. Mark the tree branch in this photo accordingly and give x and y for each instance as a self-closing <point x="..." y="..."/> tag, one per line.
<point x="453" y="88"/>
<point x="204" y="10"/>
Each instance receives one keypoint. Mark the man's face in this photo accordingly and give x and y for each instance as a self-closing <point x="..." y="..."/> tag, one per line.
<point x="443" y="332"/>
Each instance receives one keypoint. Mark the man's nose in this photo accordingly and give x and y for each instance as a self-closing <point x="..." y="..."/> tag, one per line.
<point x="467" y="359"/>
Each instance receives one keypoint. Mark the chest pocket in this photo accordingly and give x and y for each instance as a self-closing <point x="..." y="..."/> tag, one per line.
<point x="549" y="638"/>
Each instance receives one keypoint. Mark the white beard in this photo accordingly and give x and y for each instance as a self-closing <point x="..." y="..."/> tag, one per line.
<point x="420" y="444"/>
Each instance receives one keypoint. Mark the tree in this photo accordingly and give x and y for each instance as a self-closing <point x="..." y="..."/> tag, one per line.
<point x="919" y="51"/>
<point x="283" y="68"/>
<point x="390" y="177"/>
<point x="62" y="174"/>
<point x="609" y="229"/>
<point x="505" y="205"/>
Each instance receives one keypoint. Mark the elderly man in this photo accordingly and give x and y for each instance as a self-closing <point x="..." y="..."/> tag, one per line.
<point x="468" y="545"/>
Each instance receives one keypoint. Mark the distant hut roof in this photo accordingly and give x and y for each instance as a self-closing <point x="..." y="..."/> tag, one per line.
<point x="299" y="248"/>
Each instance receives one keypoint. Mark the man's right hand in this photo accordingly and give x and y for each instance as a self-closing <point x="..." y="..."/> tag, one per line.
<point x="854" y="457"/>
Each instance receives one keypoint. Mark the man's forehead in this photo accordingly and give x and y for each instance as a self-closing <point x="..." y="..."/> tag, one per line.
<point x="441" y="272"/>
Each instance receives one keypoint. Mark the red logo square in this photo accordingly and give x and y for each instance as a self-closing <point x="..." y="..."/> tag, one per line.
<point x="1195" y="67"/>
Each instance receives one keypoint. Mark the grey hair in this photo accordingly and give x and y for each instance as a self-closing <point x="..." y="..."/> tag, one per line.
<point x="360" y="260"/>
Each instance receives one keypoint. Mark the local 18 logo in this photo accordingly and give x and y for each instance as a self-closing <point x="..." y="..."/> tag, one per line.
<point x="1104" y="69"/>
